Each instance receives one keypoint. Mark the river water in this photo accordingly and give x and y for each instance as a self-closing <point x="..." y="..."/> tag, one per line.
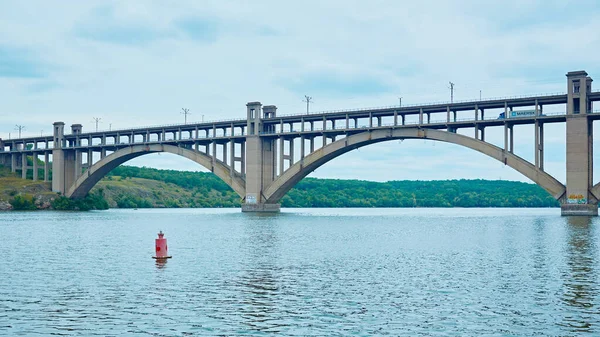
<point x="323" y="272"/>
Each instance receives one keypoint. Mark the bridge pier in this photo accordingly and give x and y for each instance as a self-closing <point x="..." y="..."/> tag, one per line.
<point x="24" y="166"/>
<point x="575" y="209"/>
<point x="260" y="159"/>
<point x="34" y="161"/>
<point x="58" y="160"/>
<point x="261" y="208"/>
<point x="65" y="163"/>
<point x="46" y="167"/>
<point x="13" y="162"/>
<point x="579" y="200"/>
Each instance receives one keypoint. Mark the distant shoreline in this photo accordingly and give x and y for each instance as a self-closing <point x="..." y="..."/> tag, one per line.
<point x="135" y="187"/>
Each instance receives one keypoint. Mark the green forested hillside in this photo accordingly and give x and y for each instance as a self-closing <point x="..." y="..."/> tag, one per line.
<point x="128" y="186"/>
<point x="312" y="192"/>
<point x="131" y="187"/>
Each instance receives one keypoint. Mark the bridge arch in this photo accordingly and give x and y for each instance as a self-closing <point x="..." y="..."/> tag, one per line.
<point x="90" y="177"/>
<point x="301" y="169"/>
<point x="595" y="190"/>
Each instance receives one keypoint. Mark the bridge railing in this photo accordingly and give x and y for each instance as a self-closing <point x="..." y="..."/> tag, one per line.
<point x="239" y="134"/>
<point x="288" y="131"/>
<point x="214" y="121"/>
<point x="159" y="126"/>
<point x="438" y="121"/>
<point x="209" y="122"/>
<point x="422" y="104"/>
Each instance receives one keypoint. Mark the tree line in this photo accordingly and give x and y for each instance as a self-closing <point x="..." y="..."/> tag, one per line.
<point x="207" y="190"/>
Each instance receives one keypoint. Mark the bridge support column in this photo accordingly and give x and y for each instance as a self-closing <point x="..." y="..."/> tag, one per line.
<point x="232" y="156"/>
<point x="46" y="166"/>
<point x="4" y="159"/>
<point x="34" y="161"/>
<point x="63" y="162"/>
<point x="77" y="168"/>
<point x="505" y="143"/>
<point x="281" y="155"/>
<point x="13" y="162"/>
<point x="511" y="139"/>
<point x="24" y="165"/>
<point x="579" y="200"/>
<point x="539" y="145"/>
<point x="243" y="159"/>
<point x="260" y="161"/>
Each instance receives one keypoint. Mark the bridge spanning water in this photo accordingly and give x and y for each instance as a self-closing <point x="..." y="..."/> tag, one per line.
<point x="265" y="155"/>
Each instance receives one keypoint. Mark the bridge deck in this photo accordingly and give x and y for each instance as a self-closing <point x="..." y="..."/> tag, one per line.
<point x="433" y="108"/>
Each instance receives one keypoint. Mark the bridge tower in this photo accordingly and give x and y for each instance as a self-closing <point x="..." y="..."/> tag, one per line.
<point x="58" y="166"/>
<point x="65" y="163"/>
<point x="260" y="158"/>
<point x="578" y="199"/>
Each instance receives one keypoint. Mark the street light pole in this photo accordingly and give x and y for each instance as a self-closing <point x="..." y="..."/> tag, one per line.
<point x="308" y="100"/>
<point x="20" y="128"/>
<point x="185" y="112"/>
<point x="96" y="119"/>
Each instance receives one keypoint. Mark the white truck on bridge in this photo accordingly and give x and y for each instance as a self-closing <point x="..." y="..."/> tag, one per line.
<point x="517" y="114"/>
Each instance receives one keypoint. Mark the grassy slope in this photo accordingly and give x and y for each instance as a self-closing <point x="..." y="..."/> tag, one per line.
<point x="11" y="185"/>
<point x="153" y="193"/>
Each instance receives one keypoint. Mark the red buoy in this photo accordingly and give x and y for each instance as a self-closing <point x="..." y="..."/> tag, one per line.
<point x="161" y="247"/>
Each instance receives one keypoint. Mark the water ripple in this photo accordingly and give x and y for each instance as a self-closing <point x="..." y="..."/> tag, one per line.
<point x="304" y="272"/>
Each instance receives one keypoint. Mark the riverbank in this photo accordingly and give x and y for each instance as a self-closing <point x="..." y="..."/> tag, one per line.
<point x="14" y="190"/>
<point x="135" y="187"/>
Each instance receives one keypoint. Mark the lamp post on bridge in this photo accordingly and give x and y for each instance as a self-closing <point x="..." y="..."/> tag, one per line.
<point x="308" y="100"/>
<point x="19" y="128"/>
<point x="96" y="120"/>
<point x="185" y="112"/>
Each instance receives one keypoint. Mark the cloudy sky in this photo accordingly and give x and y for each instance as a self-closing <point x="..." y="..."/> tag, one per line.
<point x="135" y="63"/>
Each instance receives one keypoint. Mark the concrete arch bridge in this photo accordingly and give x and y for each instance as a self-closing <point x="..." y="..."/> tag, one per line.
<point x="263" y="156"/>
